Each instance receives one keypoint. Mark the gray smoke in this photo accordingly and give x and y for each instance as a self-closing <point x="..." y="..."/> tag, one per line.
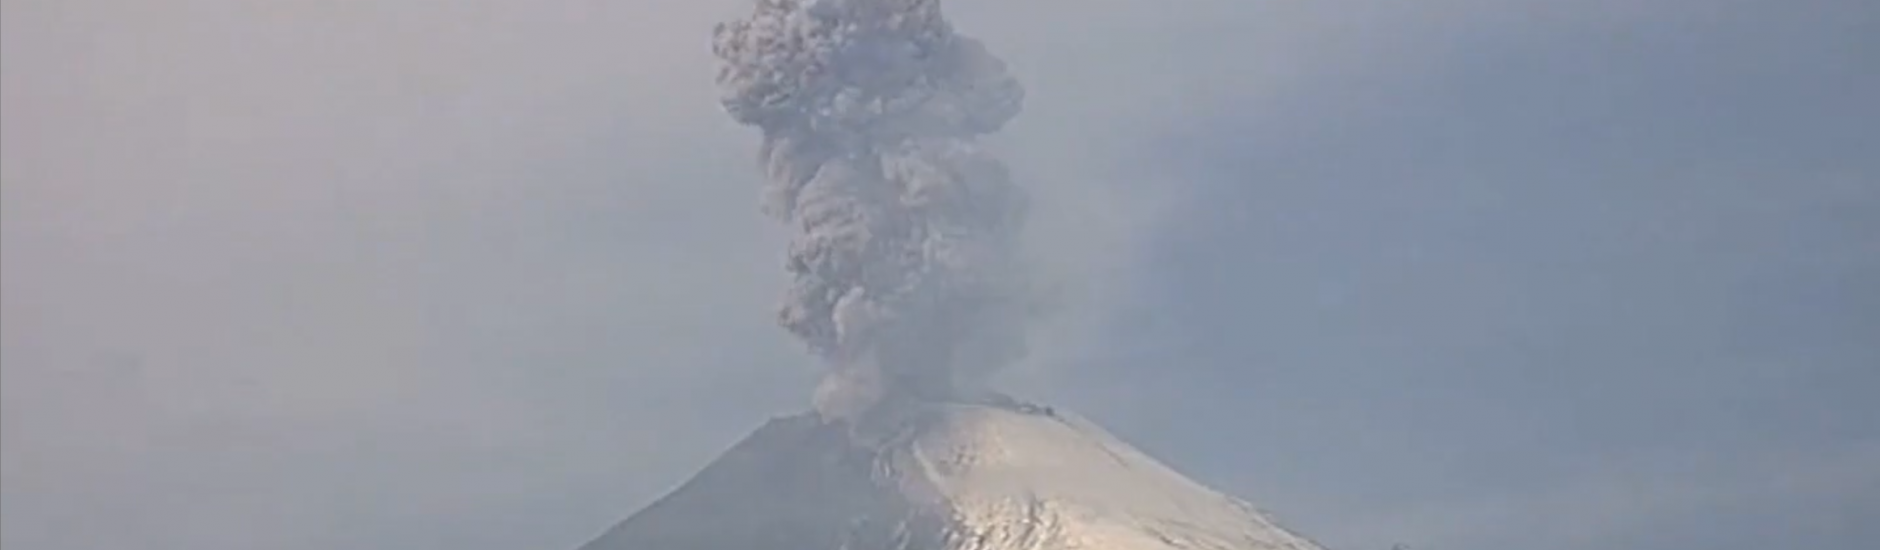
<point x="906" y="275"/>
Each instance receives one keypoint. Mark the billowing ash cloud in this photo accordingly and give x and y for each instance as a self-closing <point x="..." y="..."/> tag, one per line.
<point x="906" y="276"/>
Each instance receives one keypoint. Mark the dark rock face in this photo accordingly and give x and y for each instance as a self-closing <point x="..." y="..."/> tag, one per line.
<point x="797" y="483"/>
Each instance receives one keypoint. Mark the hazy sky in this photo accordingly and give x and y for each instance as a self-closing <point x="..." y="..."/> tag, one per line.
<point x="1464" y="274"/>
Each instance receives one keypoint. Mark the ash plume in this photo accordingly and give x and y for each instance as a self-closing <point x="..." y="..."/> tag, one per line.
<point x="906" y="277"/>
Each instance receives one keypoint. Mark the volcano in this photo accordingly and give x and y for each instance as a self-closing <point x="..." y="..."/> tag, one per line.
<point x="944" y="476"/>
<point x="908" y="281"/>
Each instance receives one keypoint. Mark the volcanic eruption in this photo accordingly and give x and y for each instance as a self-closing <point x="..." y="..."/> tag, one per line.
<point x="905" y="276"/>
<point x="907" y="282"/>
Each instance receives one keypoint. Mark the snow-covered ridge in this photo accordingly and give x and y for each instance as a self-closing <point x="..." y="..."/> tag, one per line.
<point x="1017" y="481"/>
<point x="945" y="477"/>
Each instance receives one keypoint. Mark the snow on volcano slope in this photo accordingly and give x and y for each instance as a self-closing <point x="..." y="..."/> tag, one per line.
<point x="1016" y="481"/>
<point x="944" y="477"/>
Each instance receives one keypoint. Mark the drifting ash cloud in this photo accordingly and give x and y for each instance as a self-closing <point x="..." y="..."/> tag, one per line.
<point x="906" y="277"/>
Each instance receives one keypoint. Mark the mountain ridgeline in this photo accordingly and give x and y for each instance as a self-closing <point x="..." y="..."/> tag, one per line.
<point x="944" y="476"/>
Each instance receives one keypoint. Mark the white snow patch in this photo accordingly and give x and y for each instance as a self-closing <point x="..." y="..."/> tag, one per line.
<point x="1018" y="481"/>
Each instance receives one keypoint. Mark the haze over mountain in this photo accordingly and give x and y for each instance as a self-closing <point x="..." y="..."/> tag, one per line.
<point x="303" y="274"/>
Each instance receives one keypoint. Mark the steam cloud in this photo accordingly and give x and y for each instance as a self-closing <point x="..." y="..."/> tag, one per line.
<point x="906" y="276"/>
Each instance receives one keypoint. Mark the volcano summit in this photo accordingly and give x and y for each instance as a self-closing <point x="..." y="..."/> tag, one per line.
<point x="944" y="476"/>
